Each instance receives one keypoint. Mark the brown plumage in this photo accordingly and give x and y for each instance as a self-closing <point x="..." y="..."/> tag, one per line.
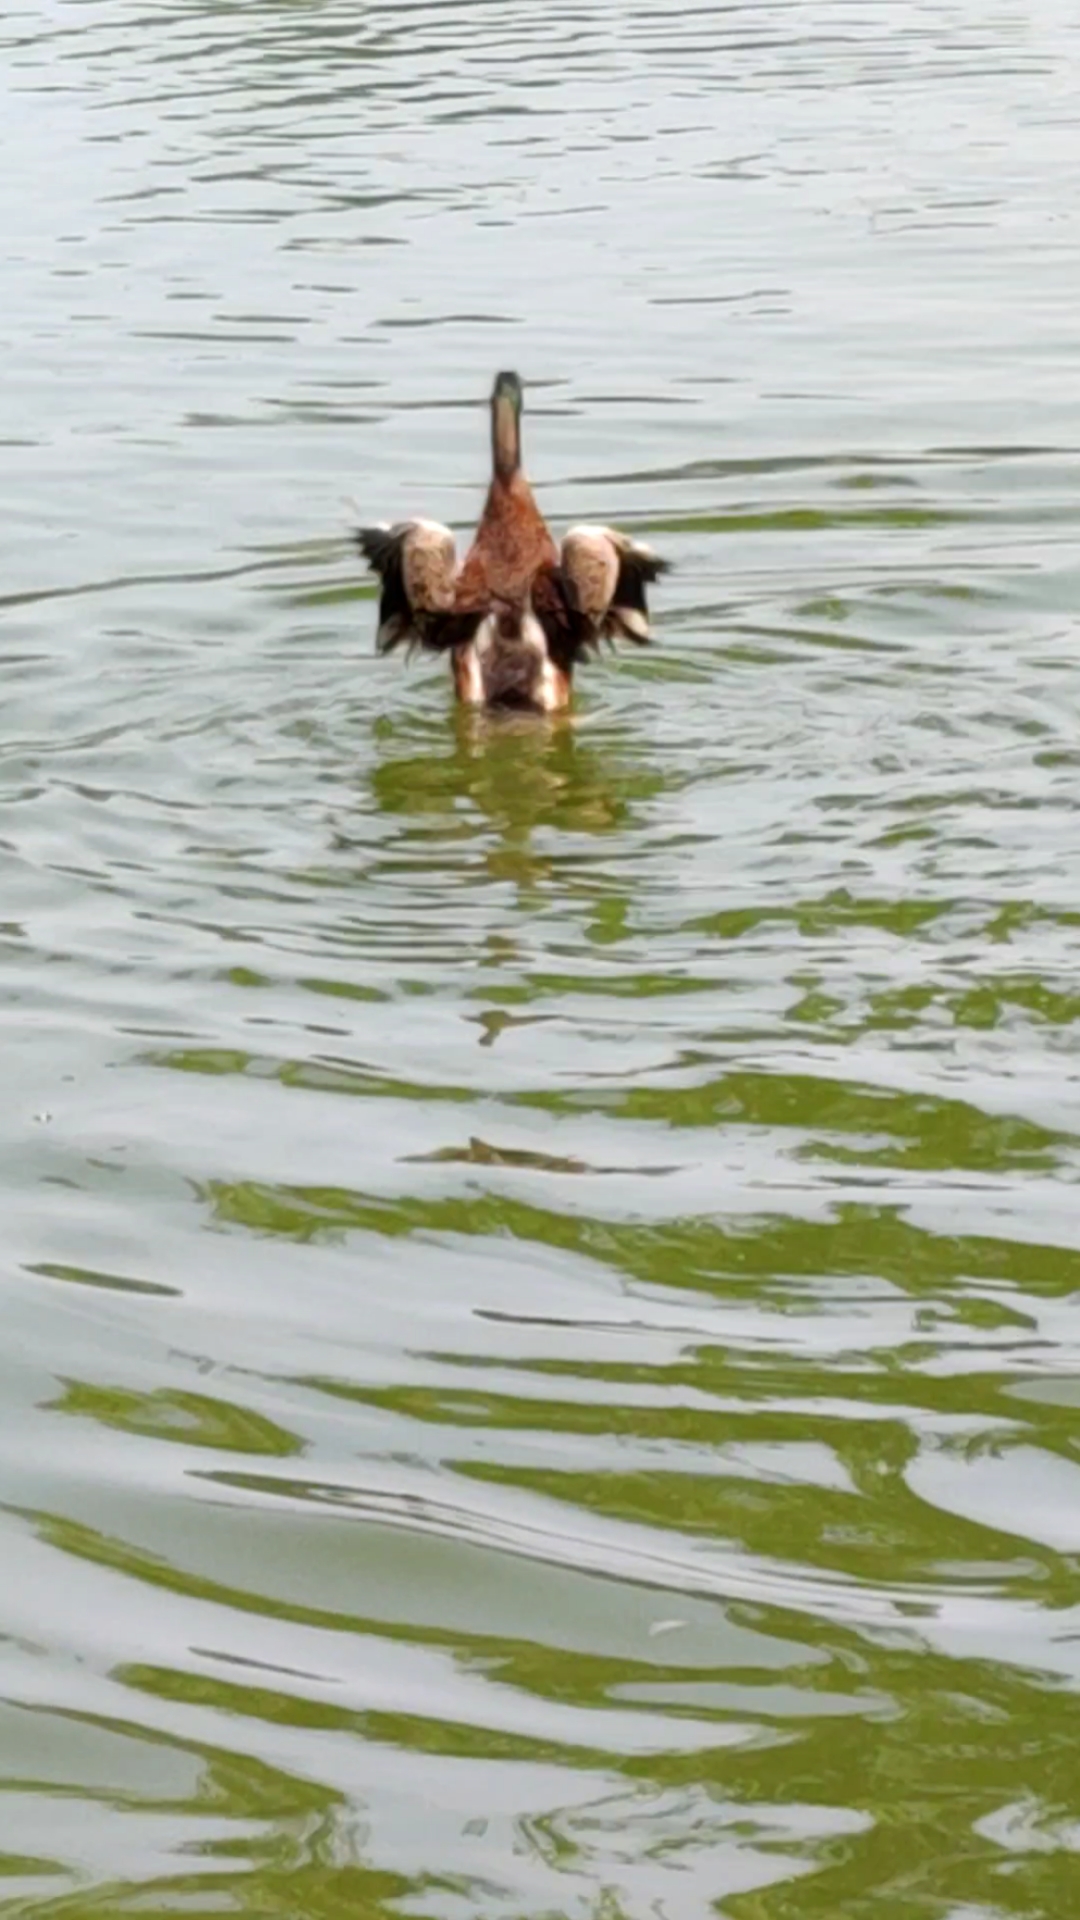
<point x="519" y="612"/>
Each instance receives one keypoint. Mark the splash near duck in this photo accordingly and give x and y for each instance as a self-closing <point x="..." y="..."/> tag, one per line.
<point x="519" y="613"/>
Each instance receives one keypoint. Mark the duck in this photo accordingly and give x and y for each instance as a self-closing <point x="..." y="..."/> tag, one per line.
<point x="519" y="613"/>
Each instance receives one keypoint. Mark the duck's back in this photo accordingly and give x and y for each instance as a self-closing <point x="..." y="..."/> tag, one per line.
<point x="512" y="544"/>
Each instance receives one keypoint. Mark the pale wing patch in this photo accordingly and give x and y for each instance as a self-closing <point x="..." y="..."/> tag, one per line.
<point x="429" y="566"/>
<point x="416" y="562"/>
<point x="606" y="574"/>
<point x="591" y="566"/>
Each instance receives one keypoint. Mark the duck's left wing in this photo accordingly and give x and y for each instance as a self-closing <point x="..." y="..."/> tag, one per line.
<point x="606" y="574"/>
<point x="417" y="565"/>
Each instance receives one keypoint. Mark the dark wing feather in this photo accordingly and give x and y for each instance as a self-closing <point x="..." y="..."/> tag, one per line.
<point x="416" y="562"/>
<point x="566" y="632"/>
<point x="381" y="548"/>
<point x="628" y="615"/>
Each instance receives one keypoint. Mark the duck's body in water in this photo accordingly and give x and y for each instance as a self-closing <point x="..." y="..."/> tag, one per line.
<point x="519" y="612"/>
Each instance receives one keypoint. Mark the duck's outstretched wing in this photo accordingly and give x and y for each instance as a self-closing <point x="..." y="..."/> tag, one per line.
<point x="606" y="574"/>
<point x="417" y="565"/>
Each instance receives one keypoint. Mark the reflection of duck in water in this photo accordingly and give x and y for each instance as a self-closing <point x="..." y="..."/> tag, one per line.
<point x="520" y="612"/>
<point x="498" y="779"/>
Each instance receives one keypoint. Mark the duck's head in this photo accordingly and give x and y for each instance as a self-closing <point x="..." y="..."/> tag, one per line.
<point x="506" y="402"/>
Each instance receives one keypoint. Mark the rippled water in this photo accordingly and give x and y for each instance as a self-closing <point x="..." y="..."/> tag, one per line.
<point x="541" y="1264"/>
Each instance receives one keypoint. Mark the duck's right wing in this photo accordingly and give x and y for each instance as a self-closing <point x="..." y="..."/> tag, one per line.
<point x="417" y="565"/>
<point x="606" y="575"/>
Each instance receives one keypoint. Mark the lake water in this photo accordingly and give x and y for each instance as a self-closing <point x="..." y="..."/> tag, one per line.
<point x="540" y="1263"/>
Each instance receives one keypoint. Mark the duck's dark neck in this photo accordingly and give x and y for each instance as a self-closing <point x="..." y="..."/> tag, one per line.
<point x="505" y="438"/>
